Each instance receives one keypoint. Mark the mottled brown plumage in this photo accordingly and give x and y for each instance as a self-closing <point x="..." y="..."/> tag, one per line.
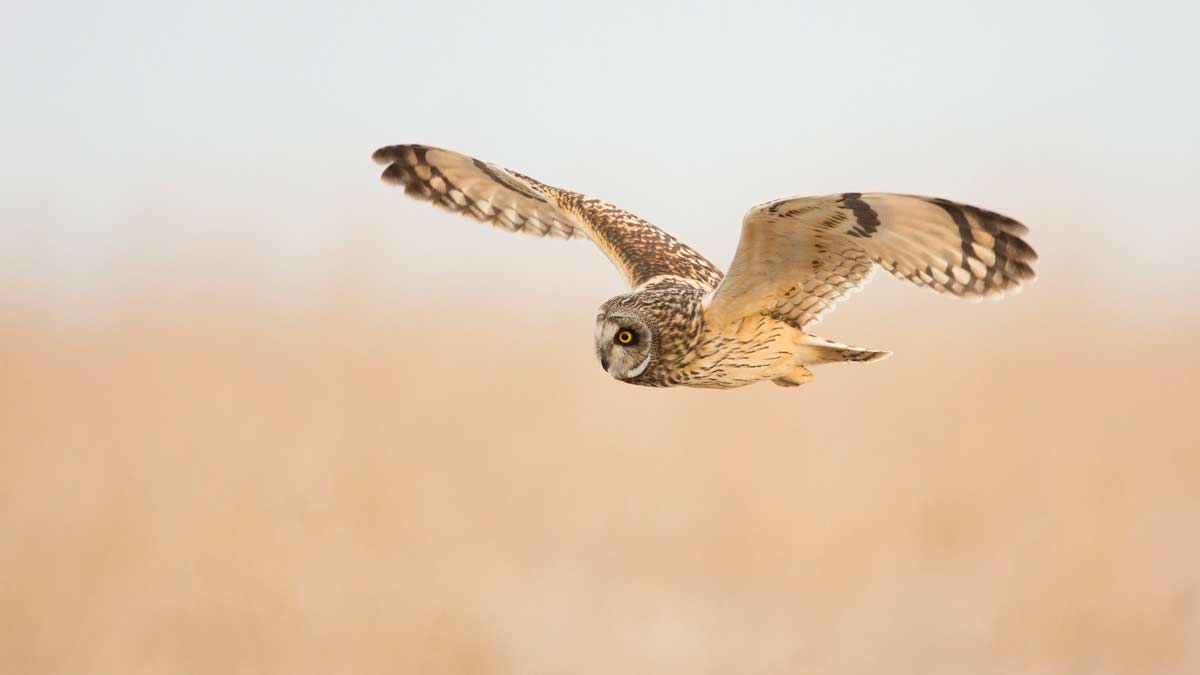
<point x="516" y="202"/>
<point x="685" y="324"/>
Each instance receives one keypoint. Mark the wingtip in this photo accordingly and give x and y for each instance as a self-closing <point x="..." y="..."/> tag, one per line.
<point x="385" y="155"/>
<point x="394" y="174"/>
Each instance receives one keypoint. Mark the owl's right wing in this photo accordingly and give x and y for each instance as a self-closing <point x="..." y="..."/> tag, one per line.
<point x="797" y="257"/>
<point x="512" y="201"/>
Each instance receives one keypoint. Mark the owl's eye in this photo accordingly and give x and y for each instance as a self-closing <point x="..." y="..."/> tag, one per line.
<point x="625" y="337"/>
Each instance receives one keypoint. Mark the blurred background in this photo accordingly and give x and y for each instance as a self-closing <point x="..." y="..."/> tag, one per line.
<point x="261" y="413"/>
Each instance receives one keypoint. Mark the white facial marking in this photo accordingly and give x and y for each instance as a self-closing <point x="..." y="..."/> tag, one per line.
<point x="641" y="367"/>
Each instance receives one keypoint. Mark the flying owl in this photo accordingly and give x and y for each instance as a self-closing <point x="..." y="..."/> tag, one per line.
<point x="684" y="323"/>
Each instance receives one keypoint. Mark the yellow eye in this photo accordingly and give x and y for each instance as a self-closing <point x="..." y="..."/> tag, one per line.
<point x="625" y="337"/>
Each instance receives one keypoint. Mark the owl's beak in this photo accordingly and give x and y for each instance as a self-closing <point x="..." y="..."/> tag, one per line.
<point x="604" y="362"/>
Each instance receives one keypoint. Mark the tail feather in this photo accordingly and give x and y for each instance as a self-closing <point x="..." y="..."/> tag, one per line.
<point x="815" y="350"/>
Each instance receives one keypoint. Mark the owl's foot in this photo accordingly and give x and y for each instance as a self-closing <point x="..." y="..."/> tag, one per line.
<point x="797" y="377"/>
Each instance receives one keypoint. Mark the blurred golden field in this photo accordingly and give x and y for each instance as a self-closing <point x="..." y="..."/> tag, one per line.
<point x="350" y="487"/>
<point x="261" y="414"/>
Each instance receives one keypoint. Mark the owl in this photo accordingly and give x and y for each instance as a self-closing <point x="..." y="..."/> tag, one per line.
<point x="684" y="322"/>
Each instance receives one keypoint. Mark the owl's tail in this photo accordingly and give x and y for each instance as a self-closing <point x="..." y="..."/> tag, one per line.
<point x="814" y="350"/>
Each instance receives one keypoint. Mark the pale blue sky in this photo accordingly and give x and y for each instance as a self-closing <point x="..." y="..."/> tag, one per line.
<point x="135" y="135"/>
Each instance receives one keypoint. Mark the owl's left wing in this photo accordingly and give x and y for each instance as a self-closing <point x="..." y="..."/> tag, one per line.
<point x="797" y="257"/>
<point x="518" y="203"/>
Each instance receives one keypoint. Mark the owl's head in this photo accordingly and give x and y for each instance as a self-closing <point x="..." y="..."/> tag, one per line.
<point x="624" y="343"/>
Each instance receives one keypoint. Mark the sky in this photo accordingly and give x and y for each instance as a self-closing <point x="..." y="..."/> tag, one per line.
<point x="233" y="139"/>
